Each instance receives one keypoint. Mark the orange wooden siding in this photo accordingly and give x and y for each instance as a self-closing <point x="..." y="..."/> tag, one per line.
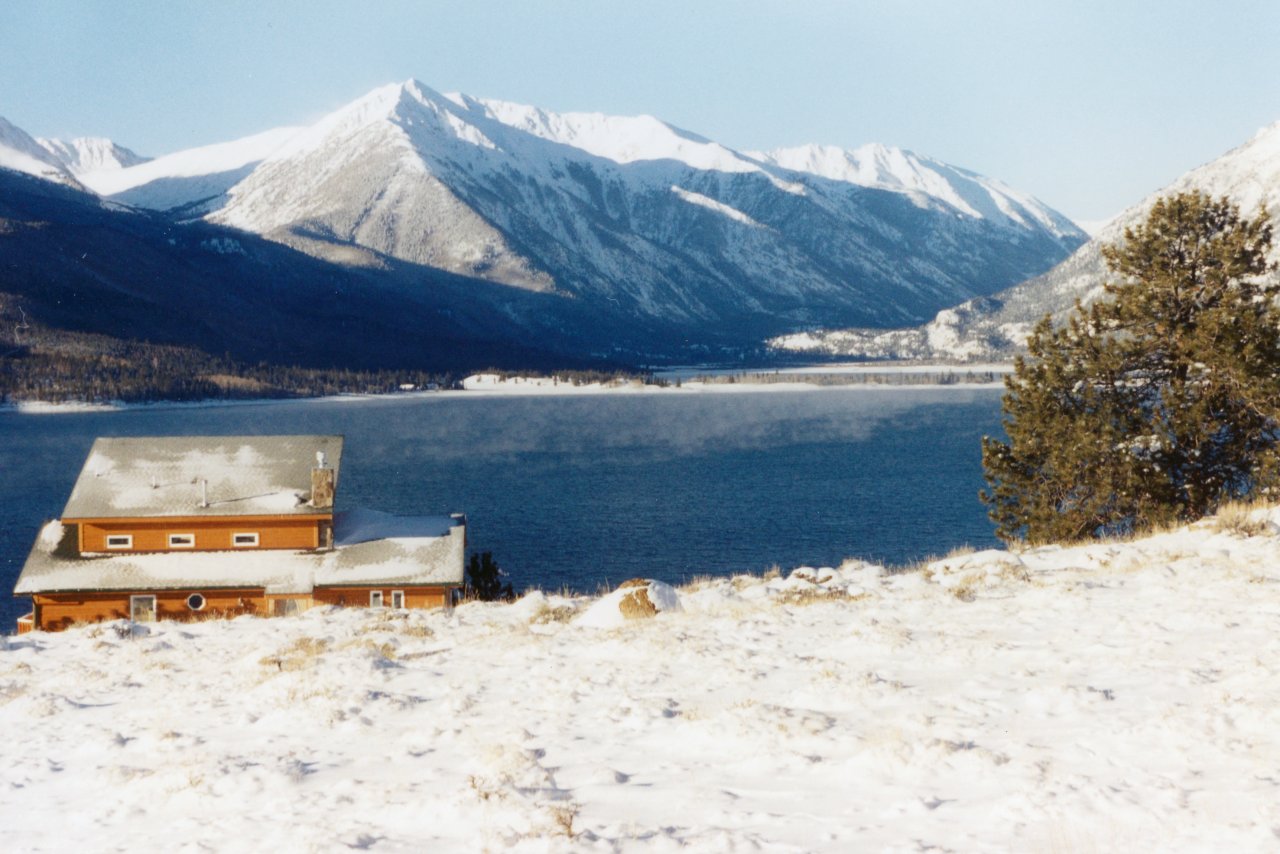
<point x="57" y="611"/>
<point x="358" y="597"/>
<point x="211" y="534"/>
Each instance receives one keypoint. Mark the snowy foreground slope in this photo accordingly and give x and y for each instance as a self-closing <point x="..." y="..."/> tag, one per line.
<point x="1108" y="697"/>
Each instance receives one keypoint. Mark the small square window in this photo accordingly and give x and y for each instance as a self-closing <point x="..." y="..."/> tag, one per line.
<point x="182" y="541"/>
<point x="375" y="599"/>
<point x="119" y="541"/>
<point x="397" y="598"/>
<point x="142" y="609"/>
<point x="244" y="541"/>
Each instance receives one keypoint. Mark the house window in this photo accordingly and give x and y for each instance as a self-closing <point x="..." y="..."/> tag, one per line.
<point x="182" y="541"/>
<point x="244" y="541"/>
<point x="397" y="598"/>
<point x="142" y="609"/>
<point x="375" y="599"/>
<point x="195" y="602"/>
<point x="119" y="541"/>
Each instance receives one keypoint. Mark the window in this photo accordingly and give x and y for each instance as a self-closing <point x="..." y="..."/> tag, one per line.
<point x="244" y="541"/>
<point x="397" y="598"/>
<point x="119" y="541"/>
<point x="375" y="599"/>
<point x="182" y="541"/>
<point x="195" y="602"/>
<point x="142" y="609"/>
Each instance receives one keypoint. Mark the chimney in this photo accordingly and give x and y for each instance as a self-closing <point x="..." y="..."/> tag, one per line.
<point x="323" y="484"/>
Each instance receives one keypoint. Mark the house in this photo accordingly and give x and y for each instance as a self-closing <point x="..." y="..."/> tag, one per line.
<point x="184" y="527"/>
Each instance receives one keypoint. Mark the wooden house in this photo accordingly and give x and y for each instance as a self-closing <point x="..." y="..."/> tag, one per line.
<point x="194" y="526"/>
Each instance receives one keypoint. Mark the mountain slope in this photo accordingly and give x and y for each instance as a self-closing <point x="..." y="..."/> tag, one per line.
<point x="634" y="217"/>
<point x="967" y="193"/>
<point x="20" y="152"/>
<point x="632" y="234"/>
<point x="88" y="154"/>
<point x="997" y="326"/>
<point x="1113" y="696"/>
<point x="192" y="181"/>
<point x="72" y="264"/>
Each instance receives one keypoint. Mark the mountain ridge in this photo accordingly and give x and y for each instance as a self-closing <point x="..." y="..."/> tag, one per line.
<point x="681" y="229"/>
<point x="996" y="326"/>
<point x="626" y="223"/>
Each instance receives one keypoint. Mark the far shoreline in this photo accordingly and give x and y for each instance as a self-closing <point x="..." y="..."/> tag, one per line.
<point x="708" y="381"/>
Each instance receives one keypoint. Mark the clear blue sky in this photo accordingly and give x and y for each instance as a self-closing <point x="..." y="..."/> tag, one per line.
<point x="1088" y="104"/>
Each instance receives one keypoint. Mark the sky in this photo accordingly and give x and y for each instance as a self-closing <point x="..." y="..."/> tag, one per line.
<point x="1088" y="105"/>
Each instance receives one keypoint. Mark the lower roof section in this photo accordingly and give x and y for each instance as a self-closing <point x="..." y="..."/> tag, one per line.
<point x="371" y="548"/>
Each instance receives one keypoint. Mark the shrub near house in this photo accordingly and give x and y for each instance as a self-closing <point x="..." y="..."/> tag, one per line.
<point x="189" y="526"/>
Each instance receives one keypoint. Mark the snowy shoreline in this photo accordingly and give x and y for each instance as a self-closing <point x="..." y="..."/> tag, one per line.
<point x="1108" y="696"/>
<point x="481" y="385"/>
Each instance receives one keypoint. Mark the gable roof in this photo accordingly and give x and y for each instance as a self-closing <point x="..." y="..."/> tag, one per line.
<point x="171" y="475"/>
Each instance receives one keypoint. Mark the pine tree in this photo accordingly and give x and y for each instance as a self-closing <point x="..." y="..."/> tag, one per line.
<point x="1157" y="402"/>
<point x="484" y="579"/>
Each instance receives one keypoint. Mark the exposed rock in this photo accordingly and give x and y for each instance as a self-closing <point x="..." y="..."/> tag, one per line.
<point x="635" y="605"/>
<point x="635" y="599"/>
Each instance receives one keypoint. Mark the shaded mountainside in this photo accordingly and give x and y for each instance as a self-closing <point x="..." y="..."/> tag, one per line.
<point x="997" y="326"/>
<point x="72" y="266"/>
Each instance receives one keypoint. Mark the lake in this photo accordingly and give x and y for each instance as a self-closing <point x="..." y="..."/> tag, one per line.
<point x="589" y="490"/>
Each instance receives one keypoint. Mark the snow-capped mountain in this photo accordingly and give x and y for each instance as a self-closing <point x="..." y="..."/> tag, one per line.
<point x="20" y="152"/>
<point x="984" y="328"/>
<point x="885" y="168"/>
<point x="641" y="217"/>
<point x="194" y="180"/>
<point x="630" y="218"/>
<point x="89" y="154"/>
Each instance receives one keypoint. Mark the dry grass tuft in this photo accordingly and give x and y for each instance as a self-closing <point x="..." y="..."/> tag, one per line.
<point x="967" y="589"/>
<point x="558" y="614"/>
<point x="385" y="650"/>
<point x="299" y="655"/>
<point x="1236" y="517"/>
<point x="563" y="815"/>
<point x="814" y="595"/>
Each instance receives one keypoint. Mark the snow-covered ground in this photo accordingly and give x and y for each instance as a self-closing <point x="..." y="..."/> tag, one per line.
<point x="1109" y="697"/>
<point x="693" y="380"/>
<point x="492" y="384"/>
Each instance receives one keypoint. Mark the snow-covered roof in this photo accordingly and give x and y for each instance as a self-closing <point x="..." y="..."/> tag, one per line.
<point x="372" y="548"/>
<point x="174" y="475"/>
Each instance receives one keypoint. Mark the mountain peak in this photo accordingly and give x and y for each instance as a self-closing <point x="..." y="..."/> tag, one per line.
<point x="21" y="152"/>
<point x="90" y="154"/>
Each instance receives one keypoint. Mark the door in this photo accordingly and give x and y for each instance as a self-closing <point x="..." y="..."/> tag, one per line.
<point x="142" y="609"/>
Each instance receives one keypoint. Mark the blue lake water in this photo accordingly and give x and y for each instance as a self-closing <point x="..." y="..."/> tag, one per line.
<point x="583" y="491"/>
